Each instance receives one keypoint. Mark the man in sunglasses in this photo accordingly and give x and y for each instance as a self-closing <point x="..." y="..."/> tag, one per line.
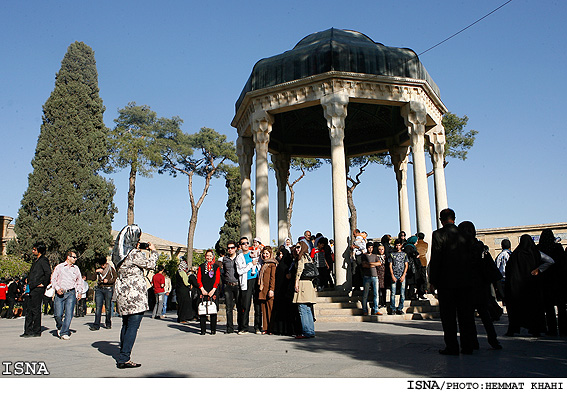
<point x="68" y="284"/>
<point x="231" y="284"/>
<point x="248" y="268"/>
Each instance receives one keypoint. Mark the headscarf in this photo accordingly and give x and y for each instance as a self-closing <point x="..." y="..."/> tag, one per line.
<point x="547" y="241"/>
<point x="288" y="248"/>
<point x="412" y="240"/>
<point x="410" y="244"/>
<point x="126" y="240"/>
<point x="183" y="266"/>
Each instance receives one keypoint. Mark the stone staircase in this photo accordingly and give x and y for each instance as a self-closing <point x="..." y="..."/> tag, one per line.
<point x="334" y="306"/>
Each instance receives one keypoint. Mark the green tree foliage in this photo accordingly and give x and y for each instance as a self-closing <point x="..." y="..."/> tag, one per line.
<point x="171" y="265"/>
<point x="204" y="154"/>
<point x="12" y="266"/>
<point x="458" y="142"/>
<point x="133" y="145"/>
<point x="68" y="205"/>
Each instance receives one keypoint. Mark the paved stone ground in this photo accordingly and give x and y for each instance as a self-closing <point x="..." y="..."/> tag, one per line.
<point x="405" y="349"/>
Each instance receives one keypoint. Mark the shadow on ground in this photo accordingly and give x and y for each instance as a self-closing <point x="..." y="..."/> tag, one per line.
<point x="418" y="354"/>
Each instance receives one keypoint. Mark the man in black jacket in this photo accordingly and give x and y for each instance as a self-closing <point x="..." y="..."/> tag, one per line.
<point x="450" y="274"/>
<point x="38" y="279"/>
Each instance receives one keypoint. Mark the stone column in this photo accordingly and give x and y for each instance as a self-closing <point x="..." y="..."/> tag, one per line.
<point x="436" y="138"/>
<point x="245" y="152"/>
<point x="335" y="111"/>
<point x="261" y="129"/>
<point x="399" y="156"/>
<point x="415" y="116"/>
<point x="4" y="222"/>
<point x="281" y="163"/>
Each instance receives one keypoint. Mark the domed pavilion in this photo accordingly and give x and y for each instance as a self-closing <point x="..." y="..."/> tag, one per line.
<point x="339" y="94"/>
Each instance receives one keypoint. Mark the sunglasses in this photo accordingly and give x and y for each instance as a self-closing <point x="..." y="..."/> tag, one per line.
<point x="244" y="243"/>
<point x="232" y="247"/>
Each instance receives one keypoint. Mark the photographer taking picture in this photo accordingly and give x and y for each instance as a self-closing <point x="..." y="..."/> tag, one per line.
<point x="130" y="287"/>
<point x="106" y="276"/>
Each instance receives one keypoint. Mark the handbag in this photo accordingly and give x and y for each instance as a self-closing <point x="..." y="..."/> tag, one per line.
<point x="310" y="270"/>
<point x="49" y="291"/>
<point x="207" y="307"/>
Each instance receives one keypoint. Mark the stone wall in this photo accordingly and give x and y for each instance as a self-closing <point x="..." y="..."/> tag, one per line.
<point x="493" y="236"/>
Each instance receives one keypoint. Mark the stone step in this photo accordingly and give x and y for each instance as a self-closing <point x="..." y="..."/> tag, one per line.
<point x="336" y="306"/>
<point x="383" y="318"/>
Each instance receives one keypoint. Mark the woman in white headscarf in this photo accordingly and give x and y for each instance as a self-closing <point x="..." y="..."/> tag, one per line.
<point x="130" y="287"/>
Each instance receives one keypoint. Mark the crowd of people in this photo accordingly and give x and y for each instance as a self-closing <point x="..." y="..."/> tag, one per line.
<point x="281" y="284"/>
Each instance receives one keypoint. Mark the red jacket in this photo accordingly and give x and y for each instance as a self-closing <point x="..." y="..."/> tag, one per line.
<point x="158" y="281"/>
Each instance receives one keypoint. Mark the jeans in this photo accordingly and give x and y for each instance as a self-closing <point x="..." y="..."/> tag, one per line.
<point x="367" y="282"/>
<point x="64" y="307"/>
<point x="306" y="317"/>
<point x="158" y="307"/>
<point x="165" y="296"/>
<point x="230" y="296"/>
<point x="130" y="325"/>
<point x="103" y="296"/>
<point x="402" y="295"/>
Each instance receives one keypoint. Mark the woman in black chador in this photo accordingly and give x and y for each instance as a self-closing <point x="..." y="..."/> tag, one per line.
<point x="183" y="291"/>
<point x="524" y="297"/>
<point x="283" y="312"/>
<point x="553" y="282"/>
<point x="484" y="273"/>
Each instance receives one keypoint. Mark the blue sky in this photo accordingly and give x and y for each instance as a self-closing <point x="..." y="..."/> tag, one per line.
<point x="191" y="59"/>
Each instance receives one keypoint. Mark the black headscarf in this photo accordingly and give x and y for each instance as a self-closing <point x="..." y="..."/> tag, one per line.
<point x="126" y="240"/>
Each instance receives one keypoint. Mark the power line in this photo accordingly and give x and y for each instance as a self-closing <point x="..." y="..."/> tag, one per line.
<point x="462" y="30"/>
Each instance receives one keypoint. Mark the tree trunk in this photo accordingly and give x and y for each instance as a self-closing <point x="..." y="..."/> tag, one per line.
<point x="291" y="200"/>
<point x="195" y="209"/>
<point x="131" y="192"/>
<point x="191" y="233"/>
<point x="290" y="209"/>
<point x="353" y="220"/>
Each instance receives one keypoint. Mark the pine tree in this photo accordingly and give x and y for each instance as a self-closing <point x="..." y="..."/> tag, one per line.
<point x="68" y="205"/>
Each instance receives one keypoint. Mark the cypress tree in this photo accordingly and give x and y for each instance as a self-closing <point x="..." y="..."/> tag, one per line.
<point x="68" y="205"/>
<point x="230" y="231"/>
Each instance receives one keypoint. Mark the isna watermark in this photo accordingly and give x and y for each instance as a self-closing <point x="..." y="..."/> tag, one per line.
<point x="26" y="368"/>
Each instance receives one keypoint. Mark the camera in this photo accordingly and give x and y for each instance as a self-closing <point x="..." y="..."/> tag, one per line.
<point x="144" y="245"/>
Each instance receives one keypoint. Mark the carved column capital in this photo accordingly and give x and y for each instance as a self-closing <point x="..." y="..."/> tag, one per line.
<point x="399" y="156"/>
<point x="262" y="123"/>
<point x="415" y="117"/>
<point x="281" y="163"/>
<point x="245" y="152"/>
<point x="335" y="111"/>
<point x="436" y="139"/>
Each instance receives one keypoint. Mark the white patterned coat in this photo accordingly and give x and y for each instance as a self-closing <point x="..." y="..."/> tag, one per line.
<point x="130" y="287"/>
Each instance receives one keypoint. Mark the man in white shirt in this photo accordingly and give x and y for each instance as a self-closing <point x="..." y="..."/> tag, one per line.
<point x="501" y="261"/>
<point x="68" y="284"/>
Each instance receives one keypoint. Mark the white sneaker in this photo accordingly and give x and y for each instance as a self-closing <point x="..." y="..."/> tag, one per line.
<point x="242" y="332"/>
<point x="65" y="337"/>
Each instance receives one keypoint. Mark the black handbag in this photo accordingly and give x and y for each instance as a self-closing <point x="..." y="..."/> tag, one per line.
<point x="310" y="270"/>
